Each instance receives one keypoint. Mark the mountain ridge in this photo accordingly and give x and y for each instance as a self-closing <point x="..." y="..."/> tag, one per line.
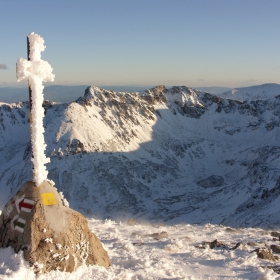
<point x="67" y="93"/>
<point x="260" y="92"/>
<point x="177" y="155"/>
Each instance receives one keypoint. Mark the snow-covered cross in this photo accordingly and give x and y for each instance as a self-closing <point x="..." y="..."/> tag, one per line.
<point x="36" y="71"/>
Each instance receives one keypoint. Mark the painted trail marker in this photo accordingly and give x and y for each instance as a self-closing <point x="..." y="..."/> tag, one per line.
<point x="19" y="224"/>
<point x="24" y="205"/>
<point x="48" y="198"/>
<point x="37" y="213"/>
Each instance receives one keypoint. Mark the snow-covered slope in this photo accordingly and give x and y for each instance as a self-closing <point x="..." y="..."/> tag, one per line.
<point x="260" y="92"/>
<point x="164" y="252"/>
<point x="176" y="155"/>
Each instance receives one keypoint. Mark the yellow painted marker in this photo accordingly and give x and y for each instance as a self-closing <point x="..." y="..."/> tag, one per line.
<point x="48" y="198"/>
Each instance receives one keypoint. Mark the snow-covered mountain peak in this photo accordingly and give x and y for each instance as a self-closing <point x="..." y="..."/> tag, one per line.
<point x="260" y="92"/>
<point x="175" y="154"/>
<point x="110" y="121"/>
<point x="182" y="96"/>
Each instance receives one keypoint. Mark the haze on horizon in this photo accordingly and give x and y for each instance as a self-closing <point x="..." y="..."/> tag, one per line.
<point x="194" y="43"/>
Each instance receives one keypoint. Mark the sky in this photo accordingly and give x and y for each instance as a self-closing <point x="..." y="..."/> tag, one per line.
<point x="229" y="43"/>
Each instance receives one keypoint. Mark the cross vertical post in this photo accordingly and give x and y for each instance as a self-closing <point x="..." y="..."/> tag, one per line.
<point x="29" y="87"/>
<point x="30" y="102"/>
<point x="36" y="71"/>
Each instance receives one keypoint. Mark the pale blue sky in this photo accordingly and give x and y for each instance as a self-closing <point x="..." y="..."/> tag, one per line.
<point x="147" y="42"/>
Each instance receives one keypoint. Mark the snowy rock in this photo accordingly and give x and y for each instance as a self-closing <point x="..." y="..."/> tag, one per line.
<point x="131" y="222"/>
<point x="200" y="247"/>
<point x="275" y="248"/>
<point x="240" y="245"/>
<point x="230" y="230"/>
<point x="253" y="244"/>
<point x="276" y="269"/>
<point x="159" y="236"/>
<point x="265" y="253"/>
<point x="51" y="235"/>
<point x="275" y="234"/>
<point x="216" y="243"/>
<point x="138" y="243"/>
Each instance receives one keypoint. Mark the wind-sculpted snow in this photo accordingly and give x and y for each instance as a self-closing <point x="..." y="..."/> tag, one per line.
<point x="176" y="155"/>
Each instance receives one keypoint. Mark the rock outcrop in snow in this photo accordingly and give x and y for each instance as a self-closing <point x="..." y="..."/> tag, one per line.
<point x="51" y="235"/>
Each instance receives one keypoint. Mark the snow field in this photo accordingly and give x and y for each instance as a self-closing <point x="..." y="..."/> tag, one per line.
<point x="136" y="255"/>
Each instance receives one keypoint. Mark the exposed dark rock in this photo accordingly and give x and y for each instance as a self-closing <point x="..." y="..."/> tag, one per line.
<point x="240" y="245"/>
<point x="270" y="126"/>
<point x="230" y="230"/>
<point x="158" y="236"/>
<point x="265" y="253"/>
<point x="210" y="182"/>
<point x="47" y="105"/>
<point x="138" y="244"/>
<point x="200" y="247"/>
<point x="275" y="248"/>
<point x="193" y="111"/>
<point x="75" y="146"/>
<point x="253" y="244"/>
<point x="275" y="234"/>
<point x="267" y="196"/>
<point x="27" y="152"/>
<point x="275" y="268"/>
<point x="131" y="222"/>
<point x="215" y="243"/>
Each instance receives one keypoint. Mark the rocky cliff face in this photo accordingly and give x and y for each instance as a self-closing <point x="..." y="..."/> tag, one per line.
<point x="164" y="154"/>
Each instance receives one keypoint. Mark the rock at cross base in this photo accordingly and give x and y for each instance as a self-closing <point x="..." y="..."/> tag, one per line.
<point x="51" y="235"/>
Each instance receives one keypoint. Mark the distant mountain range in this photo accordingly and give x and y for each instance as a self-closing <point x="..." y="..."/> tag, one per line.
<point x="252" y="93"/>
<point x="176" y="155"/>
<point x="61" y="94"/>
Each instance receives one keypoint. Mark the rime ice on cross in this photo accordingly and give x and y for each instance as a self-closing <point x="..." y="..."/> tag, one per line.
<point x="36" y="71"/>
